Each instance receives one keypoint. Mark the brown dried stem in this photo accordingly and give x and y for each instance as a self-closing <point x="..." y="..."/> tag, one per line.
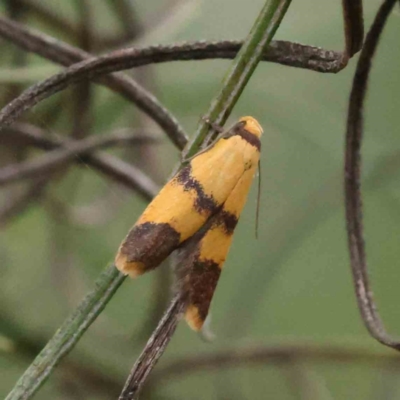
<point x="282" y="52"/>
<point x="118" y="170"/>
<point x="353" y="26"/>
<point x="54" y="159"/>
<point x="353" y="199"/>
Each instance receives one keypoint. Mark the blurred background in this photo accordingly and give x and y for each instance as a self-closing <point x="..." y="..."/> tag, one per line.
<point x="291" y="287"/>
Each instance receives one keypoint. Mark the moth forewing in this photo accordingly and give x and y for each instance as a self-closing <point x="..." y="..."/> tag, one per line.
<point x="203" y="255"/>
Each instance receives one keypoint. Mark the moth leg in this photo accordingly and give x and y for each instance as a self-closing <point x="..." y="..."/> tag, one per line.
<point x="216" y="127"/>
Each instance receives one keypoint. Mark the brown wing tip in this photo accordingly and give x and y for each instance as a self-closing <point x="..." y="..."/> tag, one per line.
<point x="133" y="269"/>
<point x="252" y="126"/>
<point x="193" y="318"/>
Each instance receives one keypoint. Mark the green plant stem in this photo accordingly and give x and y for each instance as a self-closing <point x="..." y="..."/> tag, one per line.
<point x="68" y="335"/>
<point x="241" y="70"/>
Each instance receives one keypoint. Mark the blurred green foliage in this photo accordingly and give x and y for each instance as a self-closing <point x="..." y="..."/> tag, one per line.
<point x="292" y="284"/>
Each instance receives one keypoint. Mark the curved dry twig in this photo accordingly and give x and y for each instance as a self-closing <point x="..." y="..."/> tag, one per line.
<point x="285" y="53"/>
<point x="279" y="51"/>
<point x="118" y="170"/>
<point x="65" y="54"/>
<point x="353" y="200"/>
<point x="51" y="161"/>
<point x="353" y="26"/>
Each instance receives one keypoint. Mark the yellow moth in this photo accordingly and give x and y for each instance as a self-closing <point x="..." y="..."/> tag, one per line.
<point x="196" y="212"/>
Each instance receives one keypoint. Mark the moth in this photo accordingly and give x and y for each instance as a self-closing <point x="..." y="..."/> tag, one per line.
<point x="196" y="213"/>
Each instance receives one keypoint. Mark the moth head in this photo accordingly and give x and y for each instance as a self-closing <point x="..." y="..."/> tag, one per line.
<point x="251" y="125"/>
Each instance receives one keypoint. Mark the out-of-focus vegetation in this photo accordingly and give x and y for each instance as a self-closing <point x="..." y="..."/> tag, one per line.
<point x="291" y="286"/>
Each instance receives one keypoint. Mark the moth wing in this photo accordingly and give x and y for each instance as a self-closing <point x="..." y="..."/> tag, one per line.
<point x="203" y="256"/>
<point x="182" y="207"/>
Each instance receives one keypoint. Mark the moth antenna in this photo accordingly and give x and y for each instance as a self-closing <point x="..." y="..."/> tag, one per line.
<point x="258" y="198"/>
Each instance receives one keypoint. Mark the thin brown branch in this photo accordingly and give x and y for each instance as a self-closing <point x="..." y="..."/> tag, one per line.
<point x="353" y="26"/>
<point x="64" y="54"/>
<point x="283" y="52"/>
<point x="109" y="165"/>
<point x="34" y="136"/>
<point x="54" y="159"/>
<point x="154" y="349"/>
<point x="352" y="178"/>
